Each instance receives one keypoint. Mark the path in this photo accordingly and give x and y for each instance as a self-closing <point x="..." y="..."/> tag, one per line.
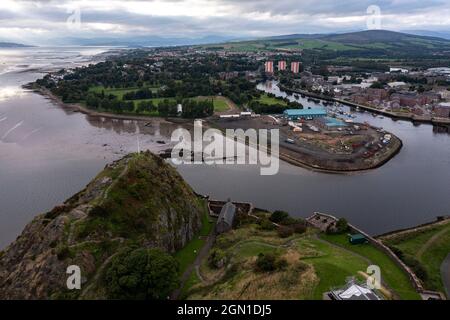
<point x="430" y="242"/>
<point x="195" y="265"/>
<point x="445" y="274"/>
<point x="97" y="275"/>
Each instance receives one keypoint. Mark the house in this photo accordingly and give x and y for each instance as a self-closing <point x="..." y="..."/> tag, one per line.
<point x="226" y="218"/>
<point x="442" y="110"/>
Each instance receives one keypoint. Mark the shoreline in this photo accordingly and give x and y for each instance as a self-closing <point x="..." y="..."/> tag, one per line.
<point x="284" y="156"/>
<point x="396" y="116"/>
<point x="323" y="165"/>
<point x="76" y="107"/>
<point x="379" y="164"/>
<point x="437" y="222"/>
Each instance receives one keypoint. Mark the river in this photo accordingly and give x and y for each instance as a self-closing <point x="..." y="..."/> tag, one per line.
<point x="48" y="153"/>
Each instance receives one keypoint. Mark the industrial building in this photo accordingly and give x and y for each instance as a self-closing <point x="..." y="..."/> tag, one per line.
<point x="295" y="114"/>
<point x="330" y="123"/>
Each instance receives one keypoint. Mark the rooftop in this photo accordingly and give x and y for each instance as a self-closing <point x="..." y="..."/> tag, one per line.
<point x="355" y="291"/>
<point x="227" y="213"/>
<point x="305" y="112"/>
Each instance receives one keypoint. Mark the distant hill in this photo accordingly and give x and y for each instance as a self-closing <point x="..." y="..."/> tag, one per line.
<point x="363" y="43"/>
<point x="138" y="41"/>
<point x="383" y="36"/>
<point x="12" y="45"/>
<point x="436" y="34"/>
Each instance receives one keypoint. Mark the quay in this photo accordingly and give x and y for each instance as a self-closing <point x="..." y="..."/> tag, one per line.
<point x="394" y="115"/>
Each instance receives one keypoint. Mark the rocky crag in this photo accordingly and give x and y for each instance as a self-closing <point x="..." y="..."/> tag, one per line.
<point x="138" y="201"/>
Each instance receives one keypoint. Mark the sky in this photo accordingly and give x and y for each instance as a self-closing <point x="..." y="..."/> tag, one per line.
<point x="40" y="22"/>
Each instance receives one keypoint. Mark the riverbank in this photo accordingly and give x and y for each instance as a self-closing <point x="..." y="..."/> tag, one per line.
<point x="312" y="161"/>
<point x="395" y="115"/>
<point x="77" y="107"/>
<point x="307" y="150"/>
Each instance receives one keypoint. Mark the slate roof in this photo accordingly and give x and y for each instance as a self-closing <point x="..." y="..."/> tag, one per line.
<point x="227" y="213"/>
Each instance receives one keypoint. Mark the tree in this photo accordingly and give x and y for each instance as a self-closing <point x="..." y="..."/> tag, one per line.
<point x="278" y="216"/>
<point x="141" y="274"/>
<point x="216" y="259"/>
<point x="269" y="262"/>
<point x="377" y="85"/>
<point x="285" y="232"/>
<point x="341" y="227"/>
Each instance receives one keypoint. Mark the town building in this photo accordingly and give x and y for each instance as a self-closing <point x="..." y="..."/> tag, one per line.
<point x="281" y="65"/>
<point x="295" y="67"/>
<point x="269" y="66"/>
<point x="442" y="110"/>
<point x="295" y="114"/>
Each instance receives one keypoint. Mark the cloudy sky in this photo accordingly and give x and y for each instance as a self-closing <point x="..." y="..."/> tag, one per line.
<point x="44" y="21"/>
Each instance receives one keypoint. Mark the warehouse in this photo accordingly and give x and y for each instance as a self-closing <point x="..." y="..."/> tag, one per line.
<point x="295" y="114"/>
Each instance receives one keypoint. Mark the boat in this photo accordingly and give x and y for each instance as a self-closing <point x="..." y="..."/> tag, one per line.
<point x="289" y="141"/>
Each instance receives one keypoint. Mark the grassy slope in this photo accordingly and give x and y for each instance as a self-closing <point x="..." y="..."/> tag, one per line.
<point x="187" y="255"/>
<point x="356" y="41"/>
<point x="329" y="267"/>
<point x="430" y="256"/>
<point x="390" y="272"/>
<point x="333" y="265"/>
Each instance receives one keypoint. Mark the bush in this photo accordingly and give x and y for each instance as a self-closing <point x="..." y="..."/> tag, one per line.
<point x="98" y="210"/>
<point x="266" y="224"/>
<point x="62" y="252"/>
<point x="285" y="232"/>
<point x="397" y="252"/>
<point x="299" y="228"/>
<point x="141" y="274"/>
<point x="416" y="267"/>
<point x="289" y="221"/>
<point x="269" y="262"/>
<point x="340" y="227"/>
<point x="216" y="259"/>
<point x="278" y="216"/>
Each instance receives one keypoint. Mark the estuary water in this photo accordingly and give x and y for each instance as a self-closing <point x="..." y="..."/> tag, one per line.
<point x="48" y="153"/>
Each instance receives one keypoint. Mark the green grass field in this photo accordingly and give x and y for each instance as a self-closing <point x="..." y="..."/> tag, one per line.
<point x="220" y="104"/>
<point x="394" y="277"/>
<point x="333" y="265"/>
<point x="119" y="92"/>
<point x="251" y="46"/>
<point x="270" y="100"/>
<point x="429" y="246"/>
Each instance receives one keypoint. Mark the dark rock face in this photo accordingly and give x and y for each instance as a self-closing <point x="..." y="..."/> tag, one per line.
<point x="138" y="201"/>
